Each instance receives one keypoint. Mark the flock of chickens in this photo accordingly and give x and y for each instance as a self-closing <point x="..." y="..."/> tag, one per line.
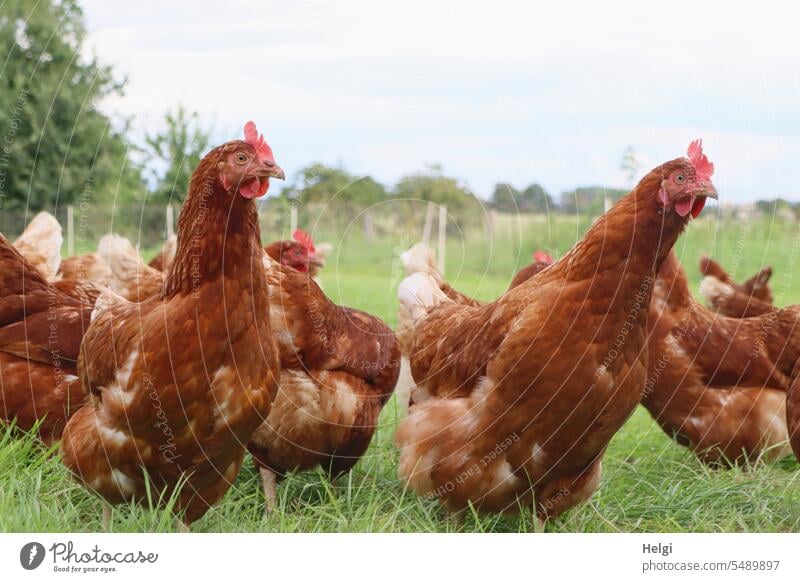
<point x="158" y="379"/>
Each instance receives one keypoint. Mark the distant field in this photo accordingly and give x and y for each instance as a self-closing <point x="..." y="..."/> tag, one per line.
<point x="649" y="483"/>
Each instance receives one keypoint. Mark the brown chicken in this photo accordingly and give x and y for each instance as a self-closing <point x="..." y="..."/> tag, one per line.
<point x="40" y="244"/>
<point x="723" y="294"/>
<point x="729" y="299"/>
<point x="421" y="259"/>
<point x="179" y="383"/>
<point x="40" y="335"/>
<point x="517" y="400"/>
<point x="757" y="285"/>
<point x="87" y="267"/>
<point x="298" y="253"/>
<point x="793" y="412"/>
<point x="718" y="384"/>
<point x="135" y="281"/>
<point x="541" y="261"/>
<point x="339" y="367"/>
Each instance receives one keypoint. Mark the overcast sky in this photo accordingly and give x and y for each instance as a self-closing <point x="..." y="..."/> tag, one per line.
<point x="495" y="91"/>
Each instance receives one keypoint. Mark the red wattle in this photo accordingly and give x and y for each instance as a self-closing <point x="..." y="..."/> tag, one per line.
<point x="254" y="188"/>
<point x="697" y="208"/>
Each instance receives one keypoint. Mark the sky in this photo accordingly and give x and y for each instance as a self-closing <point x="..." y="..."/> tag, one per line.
<point x="494" y="91"/>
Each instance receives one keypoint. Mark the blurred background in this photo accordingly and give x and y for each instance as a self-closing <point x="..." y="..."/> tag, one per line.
<point x="489" y="131"/>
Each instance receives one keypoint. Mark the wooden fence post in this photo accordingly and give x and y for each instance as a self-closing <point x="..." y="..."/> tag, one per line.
<point x="442" y="237"/>
<point x="170" y="221"/>
<point x="70" y="230"/>
<point x="426" y="230"/>
<point x="491" y="216"/>
<point x="369" y="226"/>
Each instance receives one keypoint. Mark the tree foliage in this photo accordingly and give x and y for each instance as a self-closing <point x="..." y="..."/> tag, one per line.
<point x="433" y="186"/>
<point x="534" y="198"/>
<point x="55" y="143"/>
<point x="323" y="184"/>
<point x="589" y="199"/>
<point x="175" y="153"/>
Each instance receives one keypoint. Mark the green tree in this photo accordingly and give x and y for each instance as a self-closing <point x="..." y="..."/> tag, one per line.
<point x="589" y="200"/>
<point x="319" y="183"/>
<point x="535" y="198"/>
<point x="174" y="154"/>
<point x="433" y="186"/>
<point x="506" y="198"/>
<point x="56" y="146"/>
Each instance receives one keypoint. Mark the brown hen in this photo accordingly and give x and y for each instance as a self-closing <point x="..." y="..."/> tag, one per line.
<point x="339" y="367"/>
<point x="519" y="398"/>
<point x="723" y="294"/>
<point x="179" y="383"/>
<point x="41" y="328"/>
<point x="718" y="383"/>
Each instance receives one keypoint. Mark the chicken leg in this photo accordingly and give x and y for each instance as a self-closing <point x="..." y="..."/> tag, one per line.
<point x="269" y="480"/>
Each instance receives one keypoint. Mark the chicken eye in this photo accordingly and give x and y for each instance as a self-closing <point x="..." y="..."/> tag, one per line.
<point x="241" y="158"/>
<point x="680" y="178"/>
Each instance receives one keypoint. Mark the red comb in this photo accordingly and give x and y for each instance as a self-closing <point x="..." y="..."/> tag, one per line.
<point x="304" y="239"/>
<point x="252" y="137"/>
<point x="542" y="257"/>
<point x="702" y="167"/>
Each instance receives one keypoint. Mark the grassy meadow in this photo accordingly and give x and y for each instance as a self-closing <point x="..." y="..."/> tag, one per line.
<point x="650" y="484"/>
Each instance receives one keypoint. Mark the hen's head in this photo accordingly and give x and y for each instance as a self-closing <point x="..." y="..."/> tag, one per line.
<point x="299" y="253"/>
<point x="247" y="165"/>
<point x="542" y="258"/>
<point x="686" y="182"/>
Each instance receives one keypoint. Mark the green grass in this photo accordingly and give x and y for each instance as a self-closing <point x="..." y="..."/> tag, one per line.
<point x="650" y="484"/>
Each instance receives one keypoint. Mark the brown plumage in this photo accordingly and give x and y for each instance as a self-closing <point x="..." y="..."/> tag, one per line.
<point x="130" y="277"/>
<point x="299" y="253"/>
<point x="540" y="262"/>
<point x="163" y="260"/>
<point x="87" y="267"/>
<point x="327" y="408"/>
<point x="517" y="399"/>
<point x="718" y="383"/>
<point x="723" y="294"/>
<point x="84" y="291"/>
<point x="41" y="328"/>
<point x="339" y="367"/>
<point x="179" y="383"/>
<point x="730" y="300"/>
<point x="421" y="258"/>
<point x="793" y="412"/>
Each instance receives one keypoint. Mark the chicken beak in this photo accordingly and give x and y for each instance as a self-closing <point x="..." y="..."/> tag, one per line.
<point x="707" y="189"/>
<point x="276" y="172"/>
<point x="313" y="260"/>
<point x="269" y="169"/>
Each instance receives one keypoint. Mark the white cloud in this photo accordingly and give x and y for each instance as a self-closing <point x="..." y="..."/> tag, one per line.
<point x="495" y="91"/>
